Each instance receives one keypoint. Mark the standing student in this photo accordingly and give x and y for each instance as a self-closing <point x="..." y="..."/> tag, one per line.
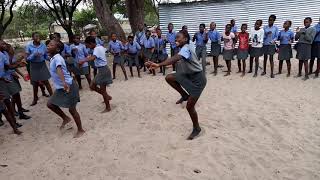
<point x="103" y="77"/>
<point x="315" y="52"/>
<point x="66" y="94"/>
<point x="215" y="39"/>
<point x="37" y="56"/>
<point x="228" y="49"/>
<point x="189" y="80"/>
<point x="201" y="38"/>
<point x="65" y="53"/>
<point x="269" y="43"/>
<point x="132" y="48"/>
<point x="99" y="42"/>
<point x="286" y="38"/>
<point x="171" y="39"/>
<point x="148" y="48"/>
<point x="305" y="37"/>
<point x="160" y="53"/>
<point x="139" y="36"/>
<point x="256" y="36"/>
<point x="79" y="53"/>
<point x="234" y="27"/>
<point x="185" y="28"/>
<point x="243" y="49"/>
<point x="116" y="48"/>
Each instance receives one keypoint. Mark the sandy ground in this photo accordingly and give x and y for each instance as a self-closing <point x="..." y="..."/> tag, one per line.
<point x="253" y="129"/>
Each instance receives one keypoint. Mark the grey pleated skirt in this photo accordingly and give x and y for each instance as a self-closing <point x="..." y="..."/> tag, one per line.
<point x="192" y="83"/>
<point x="285" y="52"/>
<point x="215" y="49"/>
<point x="147" y="53"/>
<point x="304" y="51"/>
<point x="256" y="52"/>
<point x="39" y="71"/>
<point x="103" y="76"/>
<point x="315" y="52"/>
<point x="159" y="57"/>
<point x="66" y="100"/>
<point x="269" y="49"/>
<point x="133" y="59"/>
<point x="77" y="70"/>
<point x="10" y="88"/>
<point x="242" y="54"/>
<point x="117" y="59"/>
<point x="228" y="54"/>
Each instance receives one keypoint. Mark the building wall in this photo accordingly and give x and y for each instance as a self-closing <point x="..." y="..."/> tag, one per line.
<point x="245" y="11"/>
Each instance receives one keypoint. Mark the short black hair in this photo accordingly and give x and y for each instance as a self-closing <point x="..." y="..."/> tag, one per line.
<point x="274" y="17"/>
<point x="148" y="31"/>
<point x="290" y="22"/>
<point x="229" y="25"/>
<point x="113" y="33"/>
<point x="51" y="37"/>
<point x="34" y="33"/>
<point x="184" y="26"/>
<point x="90" y="39"/>
<point x="259" y="21"/>
<point x="203" y="25"/>
<point x="130" y="37"/>
<point x="91" y="31"/>
<point x="186" y="35"/>
<point x="308" y="18"/>
<point x="75" y="35"/>
<point x="57" y="34"/>
<point x="170" y="24"/>
<point x="60" y="46"/>
<point x="244" y="24"/>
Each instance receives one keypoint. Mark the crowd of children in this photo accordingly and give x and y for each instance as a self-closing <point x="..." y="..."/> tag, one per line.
<point x="68" y="62"/>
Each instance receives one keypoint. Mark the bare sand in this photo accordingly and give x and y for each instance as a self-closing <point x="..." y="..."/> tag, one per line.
<point x="259" y="128"/>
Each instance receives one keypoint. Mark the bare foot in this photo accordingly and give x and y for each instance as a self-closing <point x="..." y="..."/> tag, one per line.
<point x="65" y="121"/>
<point x="109" y="98"/>
<point x="180" y="101"/>
<point x="34" y="102"/>
<point x="249" y="71"/>
<point x="195" y="133"/>
<point x="288" y="75"/>
<point x="263" y="73"/>
<point x="79" y="134"/>
<point x="106" y="110"/>
<point x="272" y="76"/>
<point x="255" y="75"/>
<point x="242" y="75"/>
<point x="16" y="131"/>
<point x="228" y="74"/>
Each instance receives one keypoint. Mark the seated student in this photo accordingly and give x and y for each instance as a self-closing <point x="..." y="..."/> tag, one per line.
<point x="103" y="77"/>
<point x="286" y="38"/>
<point x="66" y="94"/>
<point x="189" y="79"/>
<point x="160" y="53"/>
<point x="116" y="48"/>
<point x="148" y="48"/>
<point x="256" y="36"/>
<point x="132" y="49"/>
<point x="79" y="53"/>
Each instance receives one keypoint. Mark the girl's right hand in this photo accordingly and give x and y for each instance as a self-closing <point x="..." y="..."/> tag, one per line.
<point x="298" y="29"/>
<point x="152" y="65"/>
<point x="66" y="87"/>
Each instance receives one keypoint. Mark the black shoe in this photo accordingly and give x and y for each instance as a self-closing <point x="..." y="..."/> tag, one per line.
<point x="23" y="116"/>
<point x="1" y="123"/>
<point x="18" y="125"/>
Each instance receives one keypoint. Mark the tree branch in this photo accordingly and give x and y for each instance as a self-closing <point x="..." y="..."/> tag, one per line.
<point x="11" y="14"/>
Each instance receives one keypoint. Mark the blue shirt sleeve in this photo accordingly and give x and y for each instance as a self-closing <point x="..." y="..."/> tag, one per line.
<point x="185" y="53"/>
<point x="138" y="46"/>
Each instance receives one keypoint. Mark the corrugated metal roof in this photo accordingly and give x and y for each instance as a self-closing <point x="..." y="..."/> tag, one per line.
<point x="245" y="11"/>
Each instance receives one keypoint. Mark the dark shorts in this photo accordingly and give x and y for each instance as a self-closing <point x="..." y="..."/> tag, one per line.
<point x="215" y="49"/>
<point x="228" y="54"/>
<point x="285" y="52"/>
<point x="315" y="51"/>
<point x="103" y="76"/>
<point x="192" y="83"/>
<point x="66" y="100"/>
<point x="304" y="51"/>
<point x="39" y="71"/>
<point x="242" y="54"/>
<point x="269" y="49"/>
<point x="256" y="52"/>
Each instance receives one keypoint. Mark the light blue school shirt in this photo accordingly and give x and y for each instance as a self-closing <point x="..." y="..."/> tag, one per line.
<point x="140" y="35"/>
<point x="214" y="36"/>
<point x="171" y="38"/>
<point x="100" y="53"/>
<point x="66" y="50"/>
<point x="80" y="54"/>
<point x="133" y="48"/>
<point x="56" y="61"/>
<point x="2" y="65"/>
<point x="234" y="29"/>
<point x="190" y="63"/>
<point x="115" y="46"/>
<point x="317" y="38"/>
<point x="9" y="72"/>
<point x="268" y="38"/>
<point x="200" y="39"/>
<point x="31" y="50"/>
<point x="148" y="43"/>
<point x="99" y="41"/>
<point x="160" y="44"/>
<point x="285" y="36"/>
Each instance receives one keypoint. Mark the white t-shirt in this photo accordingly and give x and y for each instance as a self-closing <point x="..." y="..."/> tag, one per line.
<point x="256" y="37"/>
<point x="100" y="53"/>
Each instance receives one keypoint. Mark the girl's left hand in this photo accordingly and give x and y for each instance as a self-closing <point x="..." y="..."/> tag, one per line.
<point x="66" y="87"/>
<point x="152" y="65"/>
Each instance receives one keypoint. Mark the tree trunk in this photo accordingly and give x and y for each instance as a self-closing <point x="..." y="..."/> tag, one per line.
<point x="135" y="10"/>
<point x="69" y="31"/>
<point x="106" y="18"/>
<point x="1" y="31"/>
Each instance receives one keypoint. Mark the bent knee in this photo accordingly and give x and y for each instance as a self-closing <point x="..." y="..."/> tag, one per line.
<point x="170" y="78"/>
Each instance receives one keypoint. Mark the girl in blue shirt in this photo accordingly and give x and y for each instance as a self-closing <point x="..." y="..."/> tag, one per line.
<point x="189" y="79"/>
<point x="286" y="38"/>
<point x="132" y="49"/>
<point x="201" y="39"/>
<point x="66" y="94"/>
<point x="116" y="48"/>
<point x="37" y="56"/>
<point x="215" y="39"/>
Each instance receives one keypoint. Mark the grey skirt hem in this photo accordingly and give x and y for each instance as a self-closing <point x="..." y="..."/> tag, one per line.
<point x="147" y="53"/>
<point x="269" y="49"/>
<point x="66" y="100"/>
<point x="285" y="52"/>
<point x="133" y="59"/>
<point x="118" y="60"/>
<point x="215" y="49"/>
<point x="157" y="58"/>
<point x="39" y="71"/>
<point x="103" y="76"/>
<point x="304" y="52"/>
<point x="256" y="52"/>
<point x="192" y="83"/>
<point x="80" y="70"/>
<point x="228" y="54"/>
<point x="242" y="54"/>
<point x="315" y="52"/>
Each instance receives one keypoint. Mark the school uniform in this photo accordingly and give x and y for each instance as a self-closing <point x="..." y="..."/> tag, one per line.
<point x="38" y="67"/>
<point x="66" y="53"/>
<point x="256" y="37"/>
<point x="228" y="49"/>
<point x="189" y="73"/>
<point x="201" y="48"/>
<point x="243" y="49"/>
<point x="14" y="86"/>
<point x="116" y="47"/>
<point x="215" y="39"/>
<point x="171" y="39"/>
<point x="79" y="55"/>
<point x="160" y="53"/>
<point x="60" y="97"/>
<point x="133" y="50"/>
<point x="234" y="29"/>
<point x="285" y="50"/>
<point x="315" y="53"/>
<point x="4" y="76"/>
<point x="270" y="36"/>
<point x="103" y="76"/>
<point x="305" y="37"/>
<point x="148" y="45"/>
